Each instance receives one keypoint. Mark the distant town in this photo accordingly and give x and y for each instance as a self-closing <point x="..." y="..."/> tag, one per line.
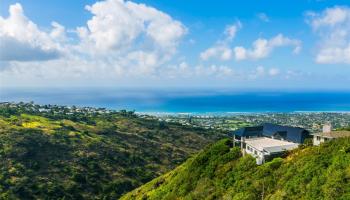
<point x="312" y="121"/>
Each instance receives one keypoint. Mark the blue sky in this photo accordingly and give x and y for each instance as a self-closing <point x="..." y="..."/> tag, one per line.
<point x="303" y="44"/>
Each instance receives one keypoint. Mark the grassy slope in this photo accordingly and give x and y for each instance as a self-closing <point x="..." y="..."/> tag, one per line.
<point x="220" y="173"/>
<point x="42" y="157"/>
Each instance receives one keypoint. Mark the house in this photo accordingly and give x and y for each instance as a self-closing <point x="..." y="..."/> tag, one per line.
<point x="327" y="134"/>
<point x="264" y="148"/>
<point x="268" y="140"/>
<point x="288" y="133"/>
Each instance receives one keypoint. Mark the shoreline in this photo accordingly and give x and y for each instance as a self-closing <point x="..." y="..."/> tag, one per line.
<point x="191" y="113"/>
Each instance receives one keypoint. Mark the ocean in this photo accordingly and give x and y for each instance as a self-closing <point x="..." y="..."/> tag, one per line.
<point x="186" y="101"/>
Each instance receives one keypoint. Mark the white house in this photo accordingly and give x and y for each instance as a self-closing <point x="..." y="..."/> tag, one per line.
<point x="263" y="148"/>
<point x="325" y="136"/>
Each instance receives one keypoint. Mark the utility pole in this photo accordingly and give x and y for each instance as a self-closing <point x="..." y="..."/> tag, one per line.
<point x="234" y="140"/>
<point x="242" y="145"/>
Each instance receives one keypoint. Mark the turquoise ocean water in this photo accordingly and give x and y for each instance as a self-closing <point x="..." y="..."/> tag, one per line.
<point x="186" y="101"/>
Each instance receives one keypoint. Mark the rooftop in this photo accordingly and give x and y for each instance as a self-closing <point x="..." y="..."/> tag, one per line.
<point x="270" y="145"/>
<point x="334" y="134"/>
<point x="289" y="133"/>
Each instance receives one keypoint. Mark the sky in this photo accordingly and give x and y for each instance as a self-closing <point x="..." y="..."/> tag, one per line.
<point x="291" y="44"/>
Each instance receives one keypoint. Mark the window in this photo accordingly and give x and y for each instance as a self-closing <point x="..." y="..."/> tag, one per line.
<point x="318" y="138"/>
<point x="280" y="135"/>
<point x="255" y="152"/>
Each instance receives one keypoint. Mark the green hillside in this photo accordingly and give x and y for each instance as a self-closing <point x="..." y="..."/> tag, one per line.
<point x="220" y="172"/>
<point x="53" y="152"/>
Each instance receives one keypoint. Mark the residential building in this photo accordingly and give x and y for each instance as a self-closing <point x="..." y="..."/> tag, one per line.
<point x="327" y="134"/>
<point x="268" y="140"/>
<point x="264" y="148"/>
<point x="288" y="133"/>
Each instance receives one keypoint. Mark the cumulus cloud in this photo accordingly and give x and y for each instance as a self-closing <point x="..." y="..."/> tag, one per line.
<point x="221" y="49"/>
<point x="332" y="25"/>
<point x="22" y="40"/>
<point x="119" y="25"/>
<point x="132" y="36"/>
<point x="262" y="48"/>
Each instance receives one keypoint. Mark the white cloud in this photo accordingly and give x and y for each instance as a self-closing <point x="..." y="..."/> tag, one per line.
<point x="263" y="17"/>
<point x="184" y="71"/>
<point x="122" y="39"/>
<point x="263" y="47"/>
<point x="221" y="72"/>
<point x="333" y="27"/>
<point x="143" y="62"/>
<point x="119" y="25"/>
<point x="332" y="55"/>
<point x="274" y="71"/>
<point x="231" y="30"/>
<point x="240" y="53"/>
<point x="22" y="40"/>
<point x="262" y="72"/>
<point x="329" y="17"/>
<point x="135" y="37"/>
<point x="215" y="71"/>
<point x="221" y="49"/>
<point x="221" y="52"/>
<point x="293" y="74"/>
<point x="58" y="32"/>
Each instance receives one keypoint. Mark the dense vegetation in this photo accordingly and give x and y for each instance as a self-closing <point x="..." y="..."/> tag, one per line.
<point x="344" y="129"/>
<point x="220" y="172"/>
<point x="51" y="152"/>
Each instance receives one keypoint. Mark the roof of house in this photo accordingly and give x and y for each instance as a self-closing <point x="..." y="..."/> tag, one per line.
<point x="289" y="133"/>
<point x="295" y="134"/>
<point x="249" y="131"/>
<point x="334" y="134"/>
<point x="270" y="145"/>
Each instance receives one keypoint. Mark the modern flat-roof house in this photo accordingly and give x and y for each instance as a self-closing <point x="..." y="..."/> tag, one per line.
<point x="327" y="134"/>
<point x="291" y="134"/>
<point x="263" y="148"/>
<point x="268" y="140"/>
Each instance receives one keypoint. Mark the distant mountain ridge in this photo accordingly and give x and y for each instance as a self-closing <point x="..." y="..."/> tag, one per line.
<point x="219" y="172"/>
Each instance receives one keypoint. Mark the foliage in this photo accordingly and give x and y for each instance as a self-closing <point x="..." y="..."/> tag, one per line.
<point x="218" y="172"/>
<point x="65" y="154"/>
<point x="344" y="129"/>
